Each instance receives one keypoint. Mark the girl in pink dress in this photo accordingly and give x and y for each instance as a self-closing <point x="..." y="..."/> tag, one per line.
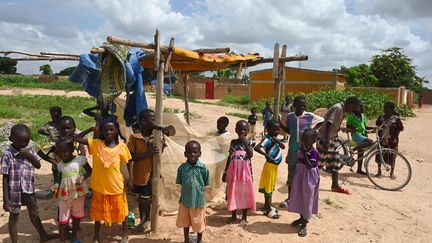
<point x="238" y="175"/>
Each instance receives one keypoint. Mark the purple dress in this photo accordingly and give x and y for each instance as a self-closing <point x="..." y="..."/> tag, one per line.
<point x="305" y="186"/>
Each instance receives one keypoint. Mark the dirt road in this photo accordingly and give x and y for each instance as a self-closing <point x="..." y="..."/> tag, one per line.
<point x="368" y="215"/>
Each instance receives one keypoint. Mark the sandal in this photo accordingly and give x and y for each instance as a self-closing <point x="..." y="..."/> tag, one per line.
<point x="297" y="222"/>
<point x="272" y="214"/>
<point x="302" y="232"/>
<point x="231" y="220"/>
<point x="284" y="204"/>
<point x="243" y="223"/>
<point x="142" y="227"/>
<point x="341" y="190"/>
<point x="360" y="172"/>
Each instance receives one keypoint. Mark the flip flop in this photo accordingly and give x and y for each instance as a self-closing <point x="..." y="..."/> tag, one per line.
<point x="302" y="232"/>
<point x="341" y="190"/>
<point x="272" y="214"/>
<point x="297" y="222"/>
<point x="243" y="223"/>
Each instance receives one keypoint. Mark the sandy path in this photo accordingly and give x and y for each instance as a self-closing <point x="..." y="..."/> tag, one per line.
<point x="369" y="215"/>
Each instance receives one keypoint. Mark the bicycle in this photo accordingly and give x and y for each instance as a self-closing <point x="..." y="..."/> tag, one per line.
<point x="377" y="157"/>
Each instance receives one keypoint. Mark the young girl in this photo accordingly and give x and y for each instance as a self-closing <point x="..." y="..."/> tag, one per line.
<point x="109" y="202"/>
<point x="392" y="126"/>
<point x="71" y="187"/>
<point x="238" y="175"/>
<point x="305" y="185"/>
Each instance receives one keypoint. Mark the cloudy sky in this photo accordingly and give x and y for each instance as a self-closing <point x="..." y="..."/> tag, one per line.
<point x="331" y="32"/>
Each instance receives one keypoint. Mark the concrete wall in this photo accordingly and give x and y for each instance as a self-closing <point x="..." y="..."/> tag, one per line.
<point x="427" y="97"/>
<point x="297" y="80"/>
<point x="399" y="95"/>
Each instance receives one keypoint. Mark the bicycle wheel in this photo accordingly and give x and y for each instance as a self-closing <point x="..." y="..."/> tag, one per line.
<point x="387" y="180"/>
<point x="342" y="151"/>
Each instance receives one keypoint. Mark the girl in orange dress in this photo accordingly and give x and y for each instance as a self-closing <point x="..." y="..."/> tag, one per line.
<point x="109" y="202"/>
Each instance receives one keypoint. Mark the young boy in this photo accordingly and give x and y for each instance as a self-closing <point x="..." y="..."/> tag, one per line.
<point x="267" y="115"/>
<point x="193" y="176"/>
<point x="140" y="145"/>
<point x="327" y="134"/>
<point x="252" y="119"/>
<point x="296" y="123"/>
<point x="51" y="128"/>
<point x="17" y="166"/>
<point x="221" y="125"/>
<point x="285" y="110"/>
<point x="272" y="151"/>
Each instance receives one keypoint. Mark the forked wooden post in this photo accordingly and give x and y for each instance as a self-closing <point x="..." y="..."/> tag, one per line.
<point x="157" y="134"/>
<point x="186" y="96"/>
<point x="282" y="71"/>
<point x="277" y="81"/>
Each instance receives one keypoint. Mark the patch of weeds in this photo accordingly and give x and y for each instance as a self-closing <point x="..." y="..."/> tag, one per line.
<point x="329" y="202"/>
<point x="171" y="110"/>
<point x="237" y="114"/>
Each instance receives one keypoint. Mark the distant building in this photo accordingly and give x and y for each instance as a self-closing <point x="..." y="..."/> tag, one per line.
<point x="297" y="80"/>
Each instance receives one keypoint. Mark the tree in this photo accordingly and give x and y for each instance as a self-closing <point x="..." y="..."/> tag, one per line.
<point x="66" y="72"/>
<point x="394" y="69"/>
<point x="360" y="75"/>
<point x="225" y="73"/>
<point x="7" y="65"/>
<point x="46" y="69"/>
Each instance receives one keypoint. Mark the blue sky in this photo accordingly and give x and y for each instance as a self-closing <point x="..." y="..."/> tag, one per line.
<point x="331" y="32"/>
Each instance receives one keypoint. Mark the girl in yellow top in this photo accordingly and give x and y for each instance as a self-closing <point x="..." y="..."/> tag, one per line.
<point x="109" y="202"/>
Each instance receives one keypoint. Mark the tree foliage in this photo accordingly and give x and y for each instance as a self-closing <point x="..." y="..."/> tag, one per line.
<point x="393" y="68"/>
<point x="66" y="72"/>
<point x="360" y="75"/>
<point x="7" y="65"/>
<point x="225" y="73"/>
<point x="46" y="69"/>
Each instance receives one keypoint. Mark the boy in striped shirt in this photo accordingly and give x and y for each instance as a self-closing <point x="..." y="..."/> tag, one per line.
<point x="271" y="147"/>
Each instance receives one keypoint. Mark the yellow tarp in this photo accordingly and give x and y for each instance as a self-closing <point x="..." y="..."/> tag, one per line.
<point x="186" y="60"/>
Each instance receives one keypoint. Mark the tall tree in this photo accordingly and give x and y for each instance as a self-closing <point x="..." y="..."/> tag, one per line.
<point x="67" y="71"/>
<point x="393" y="69"/>
<point x="360" y="75"/>
<point x="7" y="65"/>
<point x="46" y="69"/>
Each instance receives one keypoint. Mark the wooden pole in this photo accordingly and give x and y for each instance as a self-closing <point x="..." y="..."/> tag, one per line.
<point x="186" y="96"/>
<point x="157" y="142"/>
<point x="157" y="52"/>
<point x="275" y="75"/>
<point x="52" y="58"/>
<point x="22" y="53"/>
<point x="282" y="71"/>
<point x="168" y="58"/>
<point x="215" y="50"/>
<point x="59" y="54"/>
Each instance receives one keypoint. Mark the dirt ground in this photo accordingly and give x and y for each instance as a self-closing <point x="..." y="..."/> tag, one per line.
<point x="368" y="215"/>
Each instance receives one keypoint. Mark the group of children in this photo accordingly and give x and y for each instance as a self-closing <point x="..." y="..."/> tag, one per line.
<point x="109" y="203"/>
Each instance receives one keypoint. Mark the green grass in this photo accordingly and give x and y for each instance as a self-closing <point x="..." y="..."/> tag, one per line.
<point x="30" y="82"/>
<point x="329" y="202"/>
<point x="34" y="111"/>
<point x="237" y="114"/>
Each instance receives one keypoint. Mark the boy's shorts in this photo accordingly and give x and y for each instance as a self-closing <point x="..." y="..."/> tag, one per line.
<point x="191" y="217"/>
<point x="358" y="138"/>
<point x="28" y="200"/>
<point x="143" y="191"/>
<point x="71" y="208"/>
<point x="291" y="160"/>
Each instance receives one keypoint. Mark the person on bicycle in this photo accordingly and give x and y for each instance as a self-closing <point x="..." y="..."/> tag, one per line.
<point x="328" y="132"/>
<point x="356" y="125"/>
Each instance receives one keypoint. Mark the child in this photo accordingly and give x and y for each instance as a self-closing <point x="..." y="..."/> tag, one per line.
<point x="356" y="124"/>
<point x="221" y="125"/>
<point x="71" y="187"/>
<point x="267" y="114"/>
<point x="273" y="153"/>
<point x="420" y="101"/>
<point x="305" y="186"/>
<point x="252" y="119"/>
<point x="109" y="202"/>
<point x="50" y="129"/>
<point x="17" y="167"/>
<point x="392" y="126"/>
<point x="285" y="109"/>
<point x="193" y="176"/>
<point x="296" y="123"/>
<point x="327" y="134"/>
<point x="140" y="145"/>
<point x="238" y="175"/>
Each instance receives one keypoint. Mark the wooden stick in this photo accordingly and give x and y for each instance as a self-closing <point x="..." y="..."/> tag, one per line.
<point x="96" y="50"/>
<point x="157" y="56"/>
<point x="46" y="59"/>
<point x="157" y="134"/>
<point x="275" y="74"/>
<point x="168" y="58"/>
<point x="186" y="96"/>
<point x="213" y="51"/>
<point x="22" y="53"/>
<point x="282" y="71"/>
<point x="59" y="54"/>
<point x="275" y="71"/>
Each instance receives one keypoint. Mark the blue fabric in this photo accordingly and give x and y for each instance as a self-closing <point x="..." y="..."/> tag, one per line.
<point x="87" y="74"/>
<point x="136" y="102"/>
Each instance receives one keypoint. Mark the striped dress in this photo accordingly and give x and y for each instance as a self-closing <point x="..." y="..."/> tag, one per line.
<point x="270" y="168"/>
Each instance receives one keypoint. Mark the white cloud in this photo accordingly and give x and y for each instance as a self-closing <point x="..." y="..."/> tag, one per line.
<point x="331" y="32"/>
